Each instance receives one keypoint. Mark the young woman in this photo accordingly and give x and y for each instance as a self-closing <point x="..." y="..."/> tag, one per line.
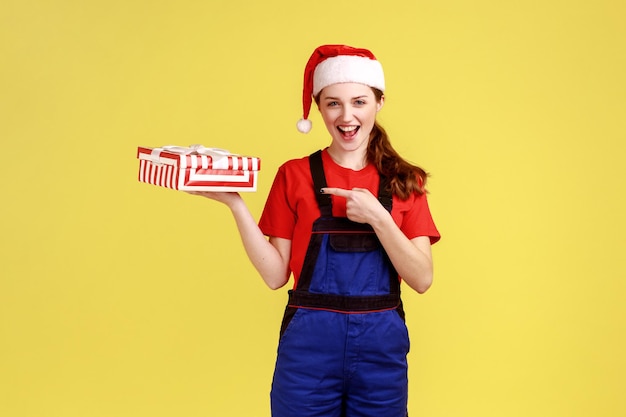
<point x="347" y="221"/>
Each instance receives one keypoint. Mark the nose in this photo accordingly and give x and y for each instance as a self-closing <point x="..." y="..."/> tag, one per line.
<point x="346" y="114"/>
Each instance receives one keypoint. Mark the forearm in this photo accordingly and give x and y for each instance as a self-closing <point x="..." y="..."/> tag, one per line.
<point x="411" y="258"/>
<point x="271" y="264"/>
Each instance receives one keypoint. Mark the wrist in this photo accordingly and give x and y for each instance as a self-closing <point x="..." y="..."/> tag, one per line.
<point x="382" y="220"/>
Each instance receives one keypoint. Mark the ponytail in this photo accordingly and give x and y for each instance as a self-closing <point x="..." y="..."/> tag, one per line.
<point x="404" y="177"/>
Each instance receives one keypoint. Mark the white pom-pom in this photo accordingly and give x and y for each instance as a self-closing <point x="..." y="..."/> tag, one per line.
<point x="304" y="125"/>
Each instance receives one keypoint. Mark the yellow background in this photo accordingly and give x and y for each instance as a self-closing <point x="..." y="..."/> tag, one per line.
<point x="122" y="299"/>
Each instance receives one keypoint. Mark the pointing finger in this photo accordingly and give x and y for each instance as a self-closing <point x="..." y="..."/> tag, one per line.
<point x="341" y="192"/>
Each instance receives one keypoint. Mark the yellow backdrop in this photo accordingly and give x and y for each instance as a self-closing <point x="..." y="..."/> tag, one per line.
<point x="122" y="299"/>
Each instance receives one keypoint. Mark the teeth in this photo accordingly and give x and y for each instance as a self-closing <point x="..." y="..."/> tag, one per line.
<point x="347" y="128"/>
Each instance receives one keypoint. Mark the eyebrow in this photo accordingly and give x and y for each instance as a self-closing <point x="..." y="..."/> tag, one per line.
<point x="337" y="98"/>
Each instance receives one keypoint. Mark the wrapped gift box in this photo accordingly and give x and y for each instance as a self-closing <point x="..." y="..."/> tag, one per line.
<point x="197" y="168"/>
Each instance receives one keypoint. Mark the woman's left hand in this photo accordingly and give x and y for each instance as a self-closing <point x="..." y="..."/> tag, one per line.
<point x="361" y="205"/>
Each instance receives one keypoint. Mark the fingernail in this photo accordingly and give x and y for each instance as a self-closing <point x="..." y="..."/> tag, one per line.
<point x="321" y="191"/>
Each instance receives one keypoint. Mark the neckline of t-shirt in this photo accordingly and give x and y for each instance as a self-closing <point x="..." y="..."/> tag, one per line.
<point x="330" y="163"/>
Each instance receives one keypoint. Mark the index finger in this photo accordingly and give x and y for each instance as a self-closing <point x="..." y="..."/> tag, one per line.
<point x="341" y="192"/>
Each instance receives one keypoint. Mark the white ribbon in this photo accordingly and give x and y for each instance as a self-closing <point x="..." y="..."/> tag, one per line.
<point x="216" y="154"/>
<point x="199" y="150"/>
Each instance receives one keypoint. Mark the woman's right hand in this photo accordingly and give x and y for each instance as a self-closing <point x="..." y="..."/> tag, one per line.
<point x="228" y="198"/>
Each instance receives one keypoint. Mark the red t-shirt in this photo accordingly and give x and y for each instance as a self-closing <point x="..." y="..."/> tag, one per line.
<point x="291" y="207"/>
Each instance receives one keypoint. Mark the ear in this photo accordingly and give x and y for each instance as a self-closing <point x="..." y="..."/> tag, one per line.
<point x="380" y="103"/>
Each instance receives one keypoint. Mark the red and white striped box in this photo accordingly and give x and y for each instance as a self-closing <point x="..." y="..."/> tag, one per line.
<point x="197" y="168"/>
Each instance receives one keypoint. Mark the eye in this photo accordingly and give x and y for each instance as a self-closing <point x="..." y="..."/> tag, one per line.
<point x="332" y="104"/>
<point x="360" y="102"/>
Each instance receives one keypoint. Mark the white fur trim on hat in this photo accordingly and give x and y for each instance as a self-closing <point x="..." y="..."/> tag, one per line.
<point x="348" y="69"/>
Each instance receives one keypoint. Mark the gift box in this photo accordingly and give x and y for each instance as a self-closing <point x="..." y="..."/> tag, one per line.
<point x="197" y="168"/>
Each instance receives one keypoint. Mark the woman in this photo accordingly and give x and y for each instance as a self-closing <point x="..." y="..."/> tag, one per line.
<point x="347" y="222"/>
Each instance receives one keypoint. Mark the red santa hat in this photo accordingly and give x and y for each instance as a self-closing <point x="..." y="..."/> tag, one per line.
<point x="332" y="64"/>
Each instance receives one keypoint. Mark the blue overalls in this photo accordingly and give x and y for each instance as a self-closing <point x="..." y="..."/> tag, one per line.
<point x="343" y="344"/>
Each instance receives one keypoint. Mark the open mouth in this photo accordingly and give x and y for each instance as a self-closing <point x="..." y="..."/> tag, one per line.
<point x="348" y="131"/>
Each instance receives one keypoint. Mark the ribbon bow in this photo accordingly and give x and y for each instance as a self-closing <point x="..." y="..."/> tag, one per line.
<point x="216" y="154"/>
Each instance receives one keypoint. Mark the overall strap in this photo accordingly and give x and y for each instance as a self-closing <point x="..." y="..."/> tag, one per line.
<point x="324" y="201"/>
<point x="319" y="181"/>
<point x="384" y="193"/>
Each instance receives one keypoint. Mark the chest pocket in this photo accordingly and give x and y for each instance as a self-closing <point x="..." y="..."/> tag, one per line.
<point x="353" y="242"/>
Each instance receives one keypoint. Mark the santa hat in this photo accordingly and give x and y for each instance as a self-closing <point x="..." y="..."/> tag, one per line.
<point x="332" y="64"/>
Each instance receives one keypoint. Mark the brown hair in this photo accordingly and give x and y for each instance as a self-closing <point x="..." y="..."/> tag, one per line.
<point x="404" y="177"/>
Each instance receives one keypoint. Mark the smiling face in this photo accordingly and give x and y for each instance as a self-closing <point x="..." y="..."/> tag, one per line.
<point x="349" y="112"/>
